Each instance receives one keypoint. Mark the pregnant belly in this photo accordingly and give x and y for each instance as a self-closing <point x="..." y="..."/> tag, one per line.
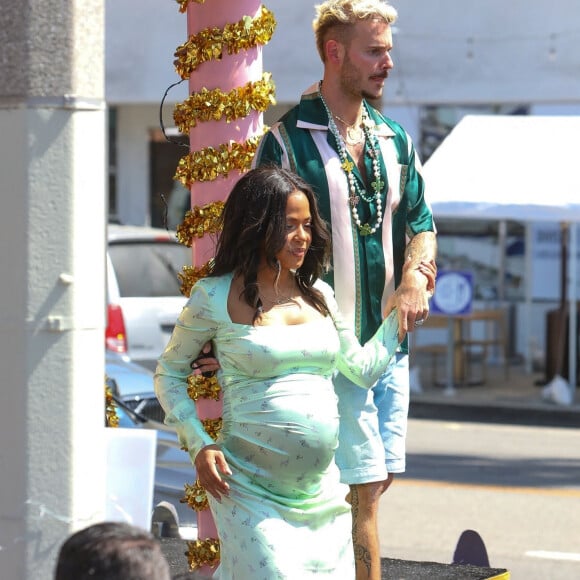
<point x="286" y="430"/>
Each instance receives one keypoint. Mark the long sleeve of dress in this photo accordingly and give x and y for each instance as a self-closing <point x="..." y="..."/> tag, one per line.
<point x="194" y="328"/>
<point x="363" y="365"/>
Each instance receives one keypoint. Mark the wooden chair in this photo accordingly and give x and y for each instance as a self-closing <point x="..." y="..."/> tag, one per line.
<point x="484" y="332"/>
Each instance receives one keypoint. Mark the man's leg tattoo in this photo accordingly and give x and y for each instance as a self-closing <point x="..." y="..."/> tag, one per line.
<point x="362" y="556"/>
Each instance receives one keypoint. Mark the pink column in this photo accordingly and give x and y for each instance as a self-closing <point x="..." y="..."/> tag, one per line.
<point x="226" y="74"/>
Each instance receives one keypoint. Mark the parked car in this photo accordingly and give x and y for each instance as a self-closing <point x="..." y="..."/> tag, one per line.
<point x="138" y="408"/>
<point x="143" y="290"/>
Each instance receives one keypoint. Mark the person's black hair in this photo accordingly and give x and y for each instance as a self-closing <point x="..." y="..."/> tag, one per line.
<point x="111" y="551"/>
<point x="254" y="226"/>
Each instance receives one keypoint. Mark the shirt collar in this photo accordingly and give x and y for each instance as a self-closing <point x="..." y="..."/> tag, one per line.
<point x="312" y="114"/>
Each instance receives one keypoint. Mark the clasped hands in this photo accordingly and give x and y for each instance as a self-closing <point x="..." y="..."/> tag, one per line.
<point x="412" y="296"/>
<point x="412" y="301"/>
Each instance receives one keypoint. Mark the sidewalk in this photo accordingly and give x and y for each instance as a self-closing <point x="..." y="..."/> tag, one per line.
<point x="517" y="399"/>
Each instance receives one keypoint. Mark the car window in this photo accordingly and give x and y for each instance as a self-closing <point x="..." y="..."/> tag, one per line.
<point x="149" y="269"/>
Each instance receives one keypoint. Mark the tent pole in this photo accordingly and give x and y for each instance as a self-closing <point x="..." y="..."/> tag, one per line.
<point x="526" y="327"/>
<point x="502" y="241"/>
<point x="572" y="339"/>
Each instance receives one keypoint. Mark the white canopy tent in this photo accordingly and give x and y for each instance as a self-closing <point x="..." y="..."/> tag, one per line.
<point x="521" y="168"/>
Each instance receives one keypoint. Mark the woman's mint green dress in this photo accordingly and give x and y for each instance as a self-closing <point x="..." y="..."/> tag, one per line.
<point x="286" y="514"/>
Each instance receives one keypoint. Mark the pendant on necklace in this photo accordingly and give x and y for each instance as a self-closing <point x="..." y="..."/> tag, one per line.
<point x="354" y="135"/>
<point x="365" y="230"/>
<point x="378" y="185"/>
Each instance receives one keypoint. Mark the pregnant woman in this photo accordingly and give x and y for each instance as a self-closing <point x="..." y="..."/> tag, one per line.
<point x="273" y="487"/>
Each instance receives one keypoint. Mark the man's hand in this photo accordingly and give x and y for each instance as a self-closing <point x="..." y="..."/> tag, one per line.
<point x="206" y="363"/>
<point x="209" y="462"/>
<point x="412" y="296"/>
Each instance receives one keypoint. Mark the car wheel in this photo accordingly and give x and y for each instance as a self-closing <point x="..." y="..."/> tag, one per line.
<point x="165" y="521"/>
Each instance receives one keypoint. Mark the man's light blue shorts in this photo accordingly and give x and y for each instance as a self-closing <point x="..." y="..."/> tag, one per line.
<point x="373" y="425"/>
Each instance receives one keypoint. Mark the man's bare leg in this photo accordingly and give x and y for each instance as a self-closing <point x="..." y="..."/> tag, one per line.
<point x="364" y="499"/>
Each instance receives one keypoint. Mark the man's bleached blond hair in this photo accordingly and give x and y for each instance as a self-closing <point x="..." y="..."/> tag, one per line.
<point x="340" y="15"/>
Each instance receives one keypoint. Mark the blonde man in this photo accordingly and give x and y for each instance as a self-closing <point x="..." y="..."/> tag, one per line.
<point x="367" y="177"/>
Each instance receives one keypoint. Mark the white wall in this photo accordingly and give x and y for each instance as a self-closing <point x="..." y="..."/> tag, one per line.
<point x="562" y="109"/>
<point x="141" y="37"/>
<point x="451" y="51"/>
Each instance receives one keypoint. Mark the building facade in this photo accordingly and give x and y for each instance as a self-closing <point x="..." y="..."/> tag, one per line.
<point x="452" y="58"/>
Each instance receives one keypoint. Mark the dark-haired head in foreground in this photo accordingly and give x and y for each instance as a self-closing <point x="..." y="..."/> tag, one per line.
<point x="111" y="551"/>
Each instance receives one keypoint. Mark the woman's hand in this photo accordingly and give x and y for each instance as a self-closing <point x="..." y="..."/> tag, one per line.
<point x="429" y="270"/>
<point x="209" y="463"/>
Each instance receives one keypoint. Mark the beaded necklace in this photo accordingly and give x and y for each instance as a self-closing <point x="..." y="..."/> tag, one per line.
<point x="371" y="147"/>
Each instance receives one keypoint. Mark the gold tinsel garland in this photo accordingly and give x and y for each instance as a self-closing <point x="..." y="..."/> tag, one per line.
<point x="111" y="417"/>
<point x="200" y="387"/>
<point x="189" y="275"/>
<point x="203" y="553"/>
<point x="210" y="43"/>
<point x="183" y="4"/>
<point x="209" y="163"/>
<point x="212" y="427"/>
<point x="200" y="221"/>
<point x="208" y="105"/>
<point x="195" y="497"/>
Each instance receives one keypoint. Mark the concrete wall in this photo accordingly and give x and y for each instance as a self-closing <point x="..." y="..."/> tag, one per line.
<point x="52" y="251"/>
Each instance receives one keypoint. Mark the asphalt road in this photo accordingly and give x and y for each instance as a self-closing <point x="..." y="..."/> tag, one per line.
<point x="518" y="487"/>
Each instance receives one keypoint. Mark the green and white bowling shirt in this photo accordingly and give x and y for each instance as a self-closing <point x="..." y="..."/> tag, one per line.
<point x="302" y="142"/>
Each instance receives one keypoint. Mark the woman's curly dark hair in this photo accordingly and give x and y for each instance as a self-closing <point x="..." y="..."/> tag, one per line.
<point x="254" y="226"/>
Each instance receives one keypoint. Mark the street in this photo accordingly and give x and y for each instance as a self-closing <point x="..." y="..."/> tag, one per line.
<point x="517" y="486"/>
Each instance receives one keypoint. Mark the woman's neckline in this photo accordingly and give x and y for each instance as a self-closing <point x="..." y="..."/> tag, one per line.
<point x="229" y="288"/>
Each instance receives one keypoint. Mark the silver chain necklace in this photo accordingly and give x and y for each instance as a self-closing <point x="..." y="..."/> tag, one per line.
<point x="354" y="133"/>
<point x="278" y="301"/>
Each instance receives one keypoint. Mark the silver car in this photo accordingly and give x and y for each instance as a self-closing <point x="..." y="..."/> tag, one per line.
<point x="143" y="290"/>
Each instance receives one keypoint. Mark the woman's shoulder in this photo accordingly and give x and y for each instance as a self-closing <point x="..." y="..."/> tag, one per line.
<point x="212" y="289"/>
<point x="324" y="287"/>
<point x="209" y="282"/>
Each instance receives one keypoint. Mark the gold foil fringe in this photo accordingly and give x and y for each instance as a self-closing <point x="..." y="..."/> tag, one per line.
<point x="183" y="4"/>
<point x="111" y="417"/>
<point x="195" y="497"/>
<point x="203" y="553"/>
<point x="200" y="387"/>
<point x="213" y="105"/>
<point x="212" y="427"/>
<point x="189" y="275"/>
<point x="209" y="44"/>
<point x="200" y="221"/>
<point x="210" y="163"/>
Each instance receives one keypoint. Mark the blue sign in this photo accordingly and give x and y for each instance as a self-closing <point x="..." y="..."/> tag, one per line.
<point x="453" y="293"/>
